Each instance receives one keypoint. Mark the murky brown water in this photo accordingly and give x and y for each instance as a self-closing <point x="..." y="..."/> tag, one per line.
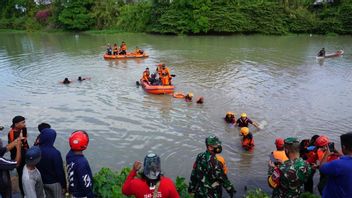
<point x="276" y="80"/>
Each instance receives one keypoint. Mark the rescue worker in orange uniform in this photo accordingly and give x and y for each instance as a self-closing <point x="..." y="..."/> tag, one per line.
<point x="307" y="151"/>
<point x="158" y="69"/>
<point x="320" y="144"/>
<point x="279" y="155"/>
<point x="123" y="48"/>
<point x="115" y="50"/>
<point x="146" y="75"/>
<point x="138" y="51"/>
<point x="165" y="75"/>
<point x="247" y="140"/>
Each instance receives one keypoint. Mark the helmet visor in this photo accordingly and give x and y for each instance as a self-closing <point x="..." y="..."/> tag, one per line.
<point x="152" y="166"/>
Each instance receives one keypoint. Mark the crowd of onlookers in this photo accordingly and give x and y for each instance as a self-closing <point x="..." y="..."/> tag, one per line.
<point x="294" y="163"/>
<point x="291" y="169"/>
<point x="40" y="168"/>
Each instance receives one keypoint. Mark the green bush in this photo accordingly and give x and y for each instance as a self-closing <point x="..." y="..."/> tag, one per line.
<point x="5" y="23"/>
<point x="184" y="16"/>
<point x="32" y="25"/>
<point x="309" y="195"/>
<point x="182" y="187"/>
<point x="302" y="21"/>
<point x="135" y="17"/>
<point x="76" y="15"/>
<point x="257" y="193"/>
<point x="108" y="184"/>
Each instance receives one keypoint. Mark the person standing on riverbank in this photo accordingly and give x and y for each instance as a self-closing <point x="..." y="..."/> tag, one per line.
<point x="152" y="183"/>
<point x="78" y="170"/>
<point x="41" y="127"/>
<point x="18" y="129"/>
<point x="31" y="178"/>
<point x="287" y="179"/>
<point x="279" y="154"/>
<point x="339" y="171"/>
<point x="51" y="165"/>
<point x="7" y="165"/>
<point x="208" y="176"/>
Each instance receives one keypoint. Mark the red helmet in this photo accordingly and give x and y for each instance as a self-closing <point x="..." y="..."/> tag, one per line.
<point x="322" y="141"/>
<point x="279" y="142"/>
<point x="79" y="140"/>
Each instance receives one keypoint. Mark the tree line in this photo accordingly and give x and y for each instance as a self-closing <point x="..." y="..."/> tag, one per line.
<point x="276" y="17"/>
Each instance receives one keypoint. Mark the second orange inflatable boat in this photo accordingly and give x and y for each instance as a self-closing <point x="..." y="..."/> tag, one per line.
<point x="157" y="89"/>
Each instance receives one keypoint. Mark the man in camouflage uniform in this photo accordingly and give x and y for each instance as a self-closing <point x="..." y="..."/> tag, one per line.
<point x="288" y="179"/>
<point x="208" y="177"/>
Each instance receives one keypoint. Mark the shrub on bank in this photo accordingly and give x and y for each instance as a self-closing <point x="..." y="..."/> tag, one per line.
<point x="108" y="184"/>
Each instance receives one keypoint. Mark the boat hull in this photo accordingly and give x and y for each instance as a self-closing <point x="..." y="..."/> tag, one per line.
<point x="157" y="89"/>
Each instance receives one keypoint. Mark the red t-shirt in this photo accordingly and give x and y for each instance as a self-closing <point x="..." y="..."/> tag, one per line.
<point x="140" y="189"/>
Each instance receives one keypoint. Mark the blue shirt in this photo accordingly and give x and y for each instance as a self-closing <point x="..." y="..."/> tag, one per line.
<point x="340" y="178"/>
<point x="79" y="175"/>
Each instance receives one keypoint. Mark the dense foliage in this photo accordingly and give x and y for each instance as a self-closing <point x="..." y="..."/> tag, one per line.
<point x="108" y="184"/>
<point x="180" y="16"/>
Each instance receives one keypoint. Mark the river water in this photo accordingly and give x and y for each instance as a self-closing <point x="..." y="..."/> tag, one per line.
<point x="275" y="80"/>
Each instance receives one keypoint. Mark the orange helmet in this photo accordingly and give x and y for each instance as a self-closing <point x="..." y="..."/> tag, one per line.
<point x="79" y="141"/>
<point x="244" y="131"/>
<point x="229" y="113"/>
<point x="322" y="141"/>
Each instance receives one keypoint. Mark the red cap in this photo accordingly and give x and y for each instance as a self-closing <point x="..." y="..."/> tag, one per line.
<point x="322" y="141"/>
<point x="279" y="142"/>
<point x="79" y="140"/>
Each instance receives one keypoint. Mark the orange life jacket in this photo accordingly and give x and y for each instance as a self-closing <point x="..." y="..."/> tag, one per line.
<point x="116" y="49"/>
<point x="165" y="80"/>
<point x="247" y="143"/>
<point x="124" y="47"/>
<point x="280" y="155"/>
<point x="221" y="159"/>
<point x="331" y="157"/>
<point x="165" y="72"/>
<point x="146" y="76"/>
<point x="12" y="135"/>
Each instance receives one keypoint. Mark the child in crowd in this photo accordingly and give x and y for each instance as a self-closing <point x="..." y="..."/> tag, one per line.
<point x="31" y="178"/>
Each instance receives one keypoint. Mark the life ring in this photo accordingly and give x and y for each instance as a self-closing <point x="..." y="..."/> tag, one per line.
<point x="178" y="95"/>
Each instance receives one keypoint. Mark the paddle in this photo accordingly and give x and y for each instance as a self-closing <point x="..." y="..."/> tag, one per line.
<point x="137" y="83"/>
<point x="173" y="75"/>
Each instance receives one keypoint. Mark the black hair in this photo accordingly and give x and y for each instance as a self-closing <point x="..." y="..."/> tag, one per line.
<point x="313" y="139"/>
<point x="346" y="141"/>
<point x="42" y="126"/>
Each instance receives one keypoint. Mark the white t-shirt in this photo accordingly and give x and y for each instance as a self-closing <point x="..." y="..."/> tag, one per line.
<point x="32" y="183"/>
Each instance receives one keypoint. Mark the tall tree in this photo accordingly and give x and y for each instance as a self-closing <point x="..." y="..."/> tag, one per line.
<point x="76" y="14"/>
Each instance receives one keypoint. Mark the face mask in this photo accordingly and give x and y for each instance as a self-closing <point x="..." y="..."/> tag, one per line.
<point x="218" y="149"/>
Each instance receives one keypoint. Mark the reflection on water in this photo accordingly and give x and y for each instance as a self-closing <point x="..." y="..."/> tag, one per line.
<point x="276" y="80"/>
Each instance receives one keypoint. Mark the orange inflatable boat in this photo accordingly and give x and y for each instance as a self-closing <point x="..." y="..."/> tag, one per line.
<point x="128" y="55"/>
<point x="157" y="89"/>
